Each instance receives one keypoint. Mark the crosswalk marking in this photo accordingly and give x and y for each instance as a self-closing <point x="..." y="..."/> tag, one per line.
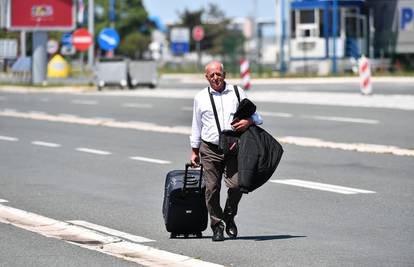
<point x="46" y="144"/>
<point x="93" y="151"/>
<point x="323" y="187"/>
<point x="97" y="241"/>
<point x="342" y="119"/>
<point x="136" y="105"/>
<point x="159" y="161"/>
<point x="106" y="230"/>
<point x="84" y="102"/>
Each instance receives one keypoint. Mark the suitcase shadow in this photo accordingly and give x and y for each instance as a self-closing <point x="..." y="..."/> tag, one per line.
<point x="268" y="237"/>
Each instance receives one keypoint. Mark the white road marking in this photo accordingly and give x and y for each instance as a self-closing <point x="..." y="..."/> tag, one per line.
<point x="323" y="187"/>
<point x="3" y="200"/>
<point x="342" y="119"/>
<point x="275" y="114"/>
<point x="93" y="151"/>
<point x="84" y="102"/>
<point x="136" y="105"/>
<point x="151" y="127"/>
<point x="112" y="232"/>
<point x="367" y="148"/>
<point x="46" y="144"/>
<point x="90" y="239"/>
<point x="8" y="138"/>
<point x="64" y="115"/>
<point x="187" y="108"/>
<point x="159" y="161"/>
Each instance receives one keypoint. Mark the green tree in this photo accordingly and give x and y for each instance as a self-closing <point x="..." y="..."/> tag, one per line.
<point x="130" y="16"/>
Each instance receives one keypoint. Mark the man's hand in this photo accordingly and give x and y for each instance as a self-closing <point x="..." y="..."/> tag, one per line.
<point x="195" y="157"/>
<point x="242" y="125"/>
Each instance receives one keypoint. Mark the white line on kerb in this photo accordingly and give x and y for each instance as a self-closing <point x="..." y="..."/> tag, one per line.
<point x="8" y="138"/>
<point x="323" y="187"/>
<point x="93" y="151"/>
<point x="46" y="144"/>
<point x="146" y="126"/>
<point x="113" y="232"/>
<point x="159" y="161"/>
<point x="93" y="240"/>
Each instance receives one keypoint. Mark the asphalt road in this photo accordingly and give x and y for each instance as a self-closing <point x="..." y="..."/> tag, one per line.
<point x="102" y="157"/>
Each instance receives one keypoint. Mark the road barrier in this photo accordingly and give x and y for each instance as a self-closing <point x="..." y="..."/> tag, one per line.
<point x="364" y="76"/>
<point x="244" y="73"/>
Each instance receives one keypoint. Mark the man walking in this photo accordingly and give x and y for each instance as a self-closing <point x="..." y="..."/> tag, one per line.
<point x="204" y="142"/>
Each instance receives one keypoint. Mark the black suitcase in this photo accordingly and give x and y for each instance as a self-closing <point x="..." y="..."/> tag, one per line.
<point x="184" y="207"/>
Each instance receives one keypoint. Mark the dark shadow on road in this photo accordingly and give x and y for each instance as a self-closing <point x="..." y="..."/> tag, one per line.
<point x="269" y="237"/>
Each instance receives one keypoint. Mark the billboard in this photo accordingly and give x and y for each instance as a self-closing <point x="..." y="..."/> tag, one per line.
<point x="43" y="15"/>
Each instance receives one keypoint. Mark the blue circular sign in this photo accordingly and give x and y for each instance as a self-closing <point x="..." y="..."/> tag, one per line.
<point x="108" y="39"/>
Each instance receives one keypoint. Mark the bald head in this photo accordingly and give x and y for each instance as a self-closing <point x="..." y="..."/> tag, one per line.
<point x="215" y="75"/>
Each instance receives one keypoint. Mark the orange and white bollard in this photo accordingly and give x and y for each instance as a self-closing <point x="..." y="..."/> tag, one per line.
<point x="244" y="73"/>
<point x="364" y="76"/>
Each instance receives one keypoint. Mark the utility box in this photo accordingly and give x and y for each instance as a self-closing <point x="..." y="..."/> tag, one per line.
<point x="143" y="73"/>
<point x="111" y="72"/>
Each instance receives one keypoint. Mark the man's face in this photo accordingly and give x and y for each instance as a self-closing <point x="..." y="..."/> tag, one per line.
<point x="215" y="76"/>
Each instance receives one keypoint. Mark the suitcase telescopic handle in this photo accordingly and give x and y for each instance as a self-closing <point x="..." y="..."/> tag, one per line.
<point x="188" y="166"/>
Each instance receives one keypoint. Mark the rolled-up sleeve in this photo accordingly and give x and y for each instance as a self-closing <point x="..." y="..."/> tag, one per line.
<point x="195" y="138"/>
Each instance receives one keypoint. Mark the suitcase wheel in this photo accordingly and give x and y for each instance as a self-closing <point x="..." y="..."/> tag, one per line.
<point x="173" y="235"/>
<point x="199" y="235"/>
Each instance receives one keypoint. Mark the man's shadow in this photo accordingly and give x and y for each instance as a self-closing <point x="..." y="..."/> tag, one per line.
<point x="268" y="237"/>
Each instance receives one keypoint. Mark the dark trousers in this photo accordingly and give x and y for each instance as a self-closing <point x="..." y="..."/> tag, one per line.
<point x="215" y="165"/>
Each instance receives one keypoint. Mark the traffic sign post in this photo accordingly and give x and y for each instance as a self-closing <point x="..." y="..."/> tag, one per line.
<point x="198" y="35"/>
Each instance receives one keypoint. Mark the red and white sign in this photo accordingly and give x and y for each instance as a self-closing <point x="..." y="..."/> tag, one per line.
<point x="45" y="15"/>
<point x="198" y="33"/>
<point x="364" y="76"/>
<point x="244" y="73"/>
<point x="82" y="39"/>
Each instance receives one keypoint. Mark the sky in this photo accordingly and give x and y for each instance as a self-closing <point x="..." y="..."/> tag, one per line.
<point x="167" y="10"/>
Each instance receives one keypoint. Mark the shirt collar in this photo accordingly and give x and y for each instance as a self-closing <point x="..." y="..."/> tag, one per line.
<point x="226" y="90"/>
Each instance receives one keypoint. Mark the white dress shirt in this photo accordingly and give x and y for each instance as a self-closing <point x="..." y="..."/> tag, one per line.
<point x="204" y="125"/>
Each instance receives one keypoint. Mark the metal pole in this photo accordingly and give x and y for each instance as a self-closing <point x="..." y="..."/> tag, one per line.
<point x="198" y="47"/>
<point x="23" y="43"/>
<point x="39" y="59"/>
<point x="334" y="31"/>
<point x="282" y="37"/>
<point x="91" y="26"/>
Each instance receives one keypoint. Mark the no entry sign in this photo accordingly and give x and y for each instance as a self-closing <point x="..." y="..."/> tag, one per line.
<point x="82" y="39"/>
<point x="198" y="33"/>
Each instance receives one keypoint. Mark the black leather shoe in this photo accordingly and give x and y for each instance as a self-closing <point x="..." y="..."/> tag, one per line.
<point x="231" y="228"/>
<point x="218" y="230"/>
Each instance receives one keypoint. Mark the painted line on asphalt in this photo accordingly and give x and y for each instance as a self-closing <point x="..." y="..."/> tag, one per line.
<point x="275" y="114"/>
<point x="151" y="127"/>
<point x="8" y="138"/>
<point x="46" y="144"/>
<point x="323" y="187"/>
<point x="84" y="102"/>
<point x="341" y="119"/>
<point x="112" y="232"/>
<point x="187" y="108"/>
<point x="37" y="112"/>
<point x="136" y="105"/>
<point x="159" y="161"/>
<point x="359" y="147"/>
<point x="92" y="151"/>
<point x="94" y="240"/>
<point x="3" y="200"/>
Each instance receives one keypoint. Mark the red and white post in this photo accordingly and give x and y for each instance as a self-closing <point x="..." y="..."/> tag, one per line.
<point x="364" y="76"/>
<point x="244" y="73"/>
